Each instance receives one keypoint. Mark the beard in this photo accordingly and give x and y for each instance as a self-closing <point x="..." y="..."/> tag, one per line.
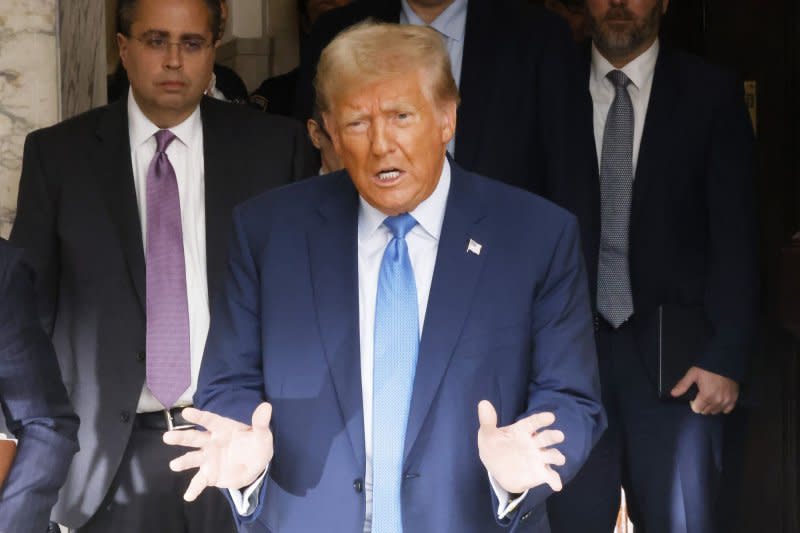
<point x="621" y="42"/>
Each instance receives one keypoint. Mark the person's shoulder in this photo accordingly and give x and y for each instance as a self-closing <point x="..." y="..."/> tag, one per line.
<point x="75" y="129"/>
<point x="298" y="200"/>
<point x="522" y="17"/>
<point x="245" y="118"/>
<point x="507" y="202"/>
<point x="701" y="74"/>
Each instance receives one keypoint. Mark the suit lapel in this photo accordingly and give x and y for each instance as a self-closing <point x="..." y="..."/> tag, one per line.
<point x="657" y="129"/>
<point x="333" y="255"/>
<point x="113" y="168"/>
<point x="481" y="42"/>
<point x="455" y="278"/>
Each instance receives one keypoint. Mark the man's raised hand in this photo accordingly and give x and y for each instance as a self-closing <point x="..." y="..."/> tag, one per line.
<point x="520" y="456"/>
<point x="228" y="455"/>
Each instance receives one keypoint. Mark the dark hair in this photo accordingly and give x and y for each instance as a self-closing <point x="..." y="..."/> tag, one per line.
<point x="126" y="11"/>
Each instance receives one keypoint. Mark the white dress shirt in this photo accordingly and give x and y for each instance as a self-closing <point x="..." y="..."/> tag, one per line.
<point x="186" y="155"/>
<point x="640" y="71"/>
<point x="423" y="245"/>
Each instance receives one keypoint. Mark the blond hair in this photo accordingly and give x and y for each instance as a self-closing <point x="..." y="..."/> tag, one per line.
<point x="372" y="51"/>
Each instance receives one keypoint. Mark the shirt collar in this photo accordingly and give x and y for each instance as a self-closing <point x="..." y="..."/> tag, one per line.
<point x="429" y="214"/>
<point x="451" y="22"/>
<point x="638" y="71"/>
<point x="141" y="129"/>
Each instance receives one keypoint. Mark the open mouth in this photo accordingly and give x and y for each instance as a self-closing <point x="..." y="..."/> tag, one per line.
<point x="388" y="175"/>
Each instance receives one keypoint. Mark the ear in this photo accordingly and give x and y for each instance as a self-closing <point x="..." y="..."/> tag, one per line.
<point x="313" y="133"/>
<point x="122" y="44"/>
<point x="330" y="127"/>
<point x="447" y="115"/>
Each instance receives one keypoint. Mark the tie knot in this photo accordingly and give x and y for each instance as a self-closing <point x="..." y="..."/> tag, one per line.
<point x="618" y="78"/>
<point x="400" y="225"/>
<point x="163" y="140"/>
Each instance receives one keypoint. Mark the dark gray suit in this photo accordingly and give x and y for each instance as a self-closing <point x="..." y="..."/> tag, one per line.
<point x="34" y="403"/>
<point x="79" y="223"/>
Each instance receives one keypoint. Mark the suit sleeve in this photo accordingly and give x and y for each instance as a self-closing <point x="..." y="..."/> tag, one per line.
<point x="732" y="283"/>
<point x="231" y="381"/>
<point x="34" y="228"/>
<point x="36" y="408"/>
<point x="565" y="379"/>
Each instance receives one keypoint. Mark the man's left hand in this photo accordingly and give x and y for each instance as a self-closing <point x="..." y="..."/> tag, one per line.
<point x="716" y="394"/>
<point x="520" y="456"/>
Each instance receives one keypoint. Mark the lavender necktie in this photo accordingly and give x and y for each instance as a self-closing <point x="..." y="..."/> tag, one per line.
<point x="168" y="357"/>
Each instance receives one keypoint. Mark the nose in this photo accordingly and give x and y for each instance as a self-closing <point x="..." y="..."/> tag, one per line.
<point x="381" y="138"/>
<point x="173" y="56"/>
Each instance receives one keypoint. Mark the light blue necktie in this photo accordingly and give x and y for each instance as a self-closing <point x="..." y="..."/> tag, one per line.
<point x="395" y="361"/>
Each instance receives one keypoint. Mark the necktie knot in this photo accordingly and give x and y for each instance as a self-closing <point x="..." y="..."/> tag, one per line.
<point x="163" y="139"/>
<point x="400" y="225"/>
<point x="619" y="79"/>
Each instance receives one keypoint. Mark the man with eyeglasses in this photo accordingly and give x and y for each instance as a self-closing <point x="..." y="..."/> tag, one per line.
<point x="124" y="215"/>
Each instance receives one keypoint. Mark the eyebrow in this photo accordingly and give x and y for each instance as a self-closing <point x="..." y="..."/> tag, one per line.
<point x="183" y="36"/>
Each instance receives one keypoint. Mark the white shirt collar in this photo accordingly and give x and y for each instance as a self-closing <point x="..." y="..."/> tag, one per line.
<point x="638" y="71"/>
<point x="429" y="214"/>
<point x="141" y="129"/>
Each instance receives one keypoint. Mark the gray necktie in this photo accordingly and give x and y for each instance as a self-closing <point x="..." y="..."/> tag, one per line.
<point x="614" y="300"/>
<point x="167" y="343"/>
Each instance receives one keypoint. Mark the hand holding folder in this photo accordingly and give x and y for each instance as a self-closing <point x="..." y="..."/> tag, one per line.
<point x="8" y="449"/>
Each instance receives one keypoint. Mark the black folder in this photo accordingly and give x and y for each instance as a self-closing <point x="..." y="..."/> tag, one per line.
<point x="682" y="336"/>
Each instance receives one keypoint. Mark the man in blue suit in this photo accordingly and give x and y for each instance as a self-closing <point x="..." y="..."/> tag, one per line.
<point x="401" y="346"/>
<point x="34" y="403"/>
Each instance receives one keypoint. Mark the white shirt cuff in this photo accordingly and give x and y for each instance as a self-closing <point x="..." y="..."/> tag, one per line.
<point x="504" y="506"/>
<point x="246" y="500"/>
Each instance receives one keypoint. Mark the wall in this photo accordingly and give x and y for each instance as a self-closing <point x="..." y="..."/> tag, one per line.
<point x="29" y="87"/>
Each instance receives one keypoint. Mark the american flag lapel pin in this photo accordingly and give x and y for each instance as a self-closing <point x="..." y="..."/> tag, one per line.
<point x="474" y="247"/>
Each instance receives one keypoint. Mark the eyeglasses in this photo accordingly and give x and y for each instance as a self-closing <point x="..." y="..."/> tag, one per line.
<point x="160" y="45"/>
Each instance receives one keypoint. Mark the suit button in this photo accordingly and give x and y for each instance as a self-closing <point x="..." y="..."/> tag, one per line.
<point x="596" y="320"/>
<point x="124" y="416"/>
<point x="358" y="485"/>
<point x="140" y="356"/>
<point x="526" y="516"/>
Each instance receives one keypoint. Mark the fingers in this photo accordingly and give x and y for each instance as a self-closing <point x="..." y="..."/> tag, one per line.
<point x="685" y="382"/>
<point x="553" y="479"/>
<point x="713" y="404"/>
<point x="548" y="438"/>
<point x="187" y="461"/>
<point x="487" y="416"/>
<point x="262" y="416"/>
<point x="552" y="456"/>
<point x="535" y="422"/>
<point x="191" y="438"/>
<point x="698" y="405"/>
<point x="196" y="486"/>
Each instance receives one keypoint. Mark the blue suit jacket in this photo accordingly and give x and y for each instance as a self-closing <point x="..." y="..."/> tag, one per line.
<point x="511" y="325"/>
<point x="34" y="404"/>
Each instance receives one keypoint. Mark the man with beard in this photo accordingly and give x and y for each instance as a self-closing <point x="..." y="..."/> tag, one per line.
<point x="669" y="230"/>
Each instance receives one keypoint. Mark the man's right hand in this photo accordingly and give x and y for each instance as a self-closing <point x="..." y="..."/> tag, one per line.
<point x="228" y="455"/>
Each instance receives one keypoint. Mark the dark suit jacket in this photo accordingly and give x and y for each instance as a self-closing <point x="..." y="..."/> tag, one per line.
<point x="519" y="87"/>
<point x="693" y="228"/>
<point x="79" y="223"/>
<point x="511" y="324"/>
<point x="34" y="404"/>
